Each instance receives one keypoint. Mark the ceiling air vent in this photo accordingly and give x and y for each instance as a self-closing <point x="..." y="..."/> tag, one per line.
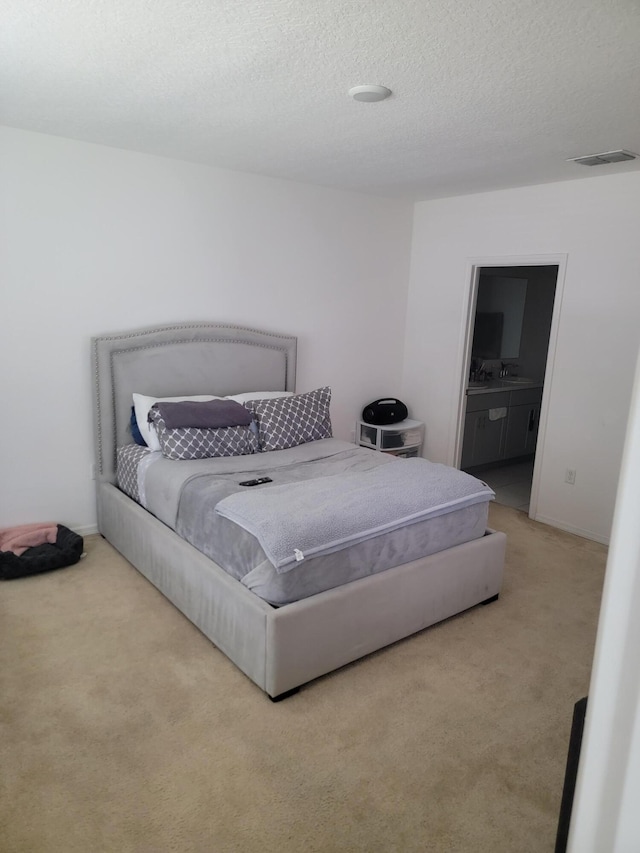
<point x="600" y="159"/>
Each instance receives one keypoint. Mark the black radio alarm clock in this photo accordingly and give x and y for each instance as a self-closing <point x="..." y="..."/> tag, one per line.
<point x="385" y="411"/>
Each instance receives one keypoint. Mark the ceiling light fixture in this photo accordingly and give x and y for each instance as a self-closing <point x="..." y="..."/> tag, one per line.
<point x="369" y="93"/>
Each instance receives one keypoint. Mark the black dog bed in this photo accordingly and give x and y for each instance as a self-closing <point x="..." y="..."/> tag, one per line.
<point x="66" y="551"/>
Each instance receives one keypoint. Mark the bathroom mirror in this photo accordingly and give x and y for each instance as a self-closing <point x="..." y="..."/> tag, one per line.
<point x="499" y="315"/>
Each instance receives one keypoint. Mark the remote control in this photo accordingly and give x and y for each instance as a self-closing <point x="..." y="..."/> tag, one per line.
<point x="257" y="482"/>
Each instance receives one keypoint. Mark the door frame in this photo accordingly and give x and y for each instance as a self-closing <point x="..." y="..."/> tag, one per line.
<point x="470" y="297"/>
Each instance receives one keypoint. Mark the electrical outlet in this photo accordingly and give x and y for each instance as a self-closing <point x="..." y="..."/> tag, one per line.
<point x="570" y="476"/>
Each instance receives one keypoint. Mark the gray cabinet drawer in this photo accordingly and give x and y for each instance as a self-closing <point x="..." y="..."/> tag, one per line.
<point x="525" y="396"/>
<point x="494" y="400"/>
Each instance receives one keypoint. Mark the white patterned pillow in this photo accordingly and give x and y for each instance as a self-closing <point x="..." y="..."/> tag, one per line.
<point x="289" y="421"/>
<point x="194" y="443"/>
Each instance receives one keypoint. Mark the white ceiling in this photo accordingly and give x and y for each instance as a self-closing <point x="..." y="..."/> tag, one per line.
<point x="486" y="93"/>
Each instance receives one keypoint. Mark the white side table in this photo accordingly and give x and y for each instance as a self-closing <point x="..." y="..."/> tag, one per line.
<point x="401" y="439"/>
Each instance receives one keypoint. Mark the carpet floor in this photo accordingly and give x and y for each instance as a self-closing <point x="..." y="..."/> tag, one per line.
<point x="123" y="729"/>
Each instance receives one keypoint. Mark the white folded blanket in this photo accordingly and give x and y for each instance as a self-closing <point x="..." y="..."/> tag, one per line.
<point x="326" y="514"/>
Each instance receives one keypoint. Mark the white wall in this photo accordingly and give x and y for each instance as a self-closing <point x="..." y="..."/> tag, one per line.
<point x="595" y="223"/>
<point x="97" y="240"/>
<point x="605" y="809"/>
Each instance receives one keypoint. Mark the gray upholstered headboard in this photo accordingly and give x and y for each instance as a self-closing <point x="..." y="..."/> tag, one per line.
<point x="189" y="358"/>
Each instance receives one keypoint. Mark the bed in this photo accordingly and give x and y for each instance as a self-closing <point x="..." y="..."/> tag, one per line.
<point x="282" y="647"/>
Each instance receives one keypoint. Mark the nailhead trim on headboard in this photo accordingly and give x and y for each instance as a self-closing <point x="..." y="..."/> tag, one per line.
<point x="285" y="347"/>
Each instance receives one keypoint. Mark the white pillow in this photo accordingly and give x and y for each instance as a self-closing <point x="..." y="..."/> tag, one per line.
<point x="258" y="395"/>
<point x="142" y="405"/>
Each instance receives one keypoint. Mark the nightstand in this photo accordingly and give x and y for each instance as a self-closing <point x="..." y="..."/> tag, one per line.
<point x="401" y="439"/>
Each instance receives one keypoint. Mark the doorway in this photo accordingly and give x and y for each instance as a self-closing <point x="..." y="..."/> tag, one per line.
<point x="507" y="365"/>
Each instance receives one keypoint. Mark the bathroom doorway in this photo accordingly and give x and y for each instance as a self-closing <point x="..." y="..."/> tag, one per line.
<point x="512" y="313"/>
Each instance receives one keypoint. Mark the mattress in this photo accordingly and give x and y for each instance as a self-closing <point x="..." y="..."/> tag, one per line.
<point x="178" y="493"/>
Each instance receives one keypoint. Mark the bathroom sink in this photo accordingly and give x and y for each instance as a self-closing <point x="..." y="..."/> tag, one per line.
<point x="477" y="386"/>
<point x="516" y="380"/>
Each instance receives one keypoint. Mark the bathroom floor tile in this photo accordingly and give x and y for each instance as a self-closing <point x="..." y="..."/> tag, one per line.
<point x="511" y="483"/>
<point x="515" y="495"/>
<point x="506" y="475"/>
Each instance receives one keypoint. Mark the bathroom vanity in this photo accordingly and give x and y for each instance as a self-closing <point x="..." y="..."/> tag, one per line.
<point x="501" y="421"/>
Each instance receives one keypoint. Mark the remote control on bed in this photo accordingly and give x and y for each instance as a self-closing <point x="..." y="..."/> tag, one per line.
<point x="257" y="482"/>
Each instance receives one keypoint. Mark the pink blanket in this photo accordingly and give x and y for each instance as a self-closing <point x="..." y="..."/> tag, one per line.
<point x="18" y="539"/>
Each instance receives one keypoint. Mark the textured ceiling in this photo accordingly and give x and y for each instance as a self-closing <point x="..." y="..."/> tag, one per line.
<point x="486" y="93"/>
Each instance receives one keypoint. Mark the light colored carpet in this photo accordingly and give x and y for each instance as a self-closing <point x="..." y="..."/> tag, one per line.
<point x="124" y="729"/>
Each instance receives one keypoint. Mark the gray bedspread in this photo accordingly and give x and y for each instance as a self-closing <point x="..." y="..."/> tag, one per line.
<point x="184" y="495"/>
<point x="169" y="484"/>
<point x="330" y="512"/>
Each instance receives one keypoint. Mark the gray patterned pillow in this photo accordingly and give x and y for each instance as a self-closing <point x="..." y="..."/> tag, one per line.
<point x="128" y="458"/>
<point x="289" y="421"/>
<point x="194" y="443"/>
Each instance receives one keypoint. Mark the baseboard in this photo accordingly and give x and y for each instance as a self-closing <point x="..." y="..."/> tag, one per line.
<point x="86" y="530"/>
<point x="586" y="534"/>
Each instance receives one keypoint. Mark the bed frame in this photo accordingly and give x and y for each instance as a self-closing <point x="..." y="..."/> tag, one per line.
<point x="277" y="648"/>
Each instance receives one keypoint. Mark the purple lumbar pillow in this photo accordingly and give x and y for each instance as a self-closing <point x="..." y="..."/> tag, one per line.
<point x="212" y="414"/>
